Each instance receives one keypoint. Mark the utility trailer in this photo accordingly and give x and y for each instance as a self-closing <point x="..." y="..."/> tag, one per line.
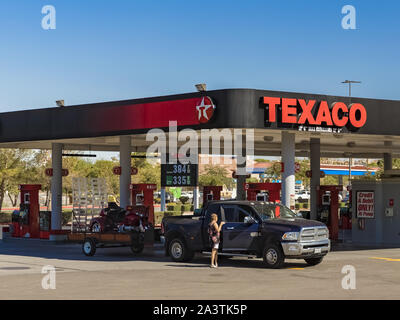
<point x="91" y="241"/>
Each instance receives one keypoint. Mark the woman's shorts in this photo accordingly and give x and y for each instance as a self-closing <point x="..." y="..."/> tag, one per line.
<point x="216" y="245"/>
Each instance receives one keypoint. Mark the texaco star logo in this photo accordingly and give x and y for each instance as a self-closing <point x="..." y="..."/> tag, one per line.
<point x="205" y="110"/>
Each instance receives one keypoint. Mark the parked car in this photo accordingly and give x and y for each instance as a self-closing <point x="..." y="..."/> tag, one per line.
<point x="168" y="197"/>
<point x="263" y="229"/>
<point x="302" y="195"/>
<point x="188" y="194"/>
<point x="305" y="214"/>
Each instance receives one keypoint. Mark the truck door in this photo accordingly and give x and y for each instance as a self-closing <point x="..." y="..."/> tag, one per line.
<point x="240" y="230"/>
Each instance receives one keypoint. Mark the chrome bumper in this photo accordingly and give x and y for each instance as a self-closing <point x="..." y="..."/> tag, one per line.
<point x="306" y="249"/>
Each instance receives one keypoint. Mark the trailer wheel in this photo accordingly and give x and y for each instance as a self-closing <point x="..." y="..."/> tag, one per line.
<point x="89" y="247"/>
<point x="179" y="252"/>
<point x="138" y="248"/>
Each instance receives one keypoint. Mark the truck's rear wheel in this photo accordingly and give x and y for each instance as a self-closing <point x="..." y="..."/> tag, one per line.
<point x="179" y="252"/>
<point x="314" y="261"/>
<point x="273" y="256"/>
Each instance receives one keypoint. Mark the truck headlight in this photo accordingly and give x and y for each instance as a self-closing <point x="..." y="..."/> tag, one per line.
<point x="290" y="236"/>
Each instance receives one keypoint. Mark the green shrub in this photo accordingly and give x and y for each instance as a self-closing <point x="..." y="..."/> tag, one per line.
<point x="5" y="217"/>
<point x="184" y="199"/>
<point x="297" y="206"/>
<point x="174" y="207"/>
<point x="66" y="217"/>
<point x="187" y="207"/>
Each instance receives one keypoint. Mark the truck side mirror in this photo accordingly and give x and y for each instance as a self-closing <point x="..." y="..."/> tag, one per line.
<point x="249" y="220"/>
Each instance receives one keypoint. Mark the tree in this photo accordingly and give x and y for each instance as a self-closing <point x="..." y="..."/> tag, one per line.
<point x="147" y="173"/>
<point x="215" y="176"/>
<point x="12" y="163"/>
<point x="275" y="171"/>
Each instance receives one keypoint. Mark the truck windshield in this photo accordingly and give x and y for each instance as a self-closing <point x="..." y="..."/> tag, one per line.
<point x="273" y="211"/>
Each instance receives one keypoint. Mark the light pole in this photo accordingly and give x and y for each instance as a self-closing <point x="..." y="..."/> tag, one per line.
<point x="349" y="82"/>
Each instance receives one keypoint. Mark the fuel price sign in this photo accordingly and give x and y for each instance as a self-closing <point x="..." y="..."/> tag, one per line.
<point x="179" y="175"/>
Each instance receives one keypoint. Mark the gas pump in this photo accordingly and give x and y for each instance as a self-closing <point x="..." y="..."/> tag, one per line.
<point x="263" y="191"/>
<point x="143" y="195"/>
<point x="26" y="222"/>
<point x="211" y="193"/>
<point x="346" y="217"/>
<point x="328" y="208"/>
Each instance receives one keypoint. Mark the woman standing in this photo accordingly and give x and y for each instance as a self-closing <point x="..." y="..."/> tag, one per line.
<point x="214" y="231"/>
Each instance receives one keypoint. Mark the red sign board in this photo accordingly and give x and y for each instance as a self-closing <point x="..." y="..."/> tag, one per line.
<point x="118" y="171"/>
<point x="49" y="172"/>
<point x="365" y="204"/>
<point x="309" y="174"/>
<point x="300" y="111"/>
<point x="234" y="175"/>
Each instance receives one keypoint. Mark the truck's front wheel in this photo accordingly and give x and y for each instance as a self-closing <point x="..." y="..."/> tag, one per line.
<point x="179" y="252"/>
<point x="273" y="256"/>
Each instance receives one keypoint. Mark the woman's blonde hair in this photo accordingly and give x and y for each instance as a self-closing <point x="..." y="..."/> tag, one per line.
<point x="214" y="217"/>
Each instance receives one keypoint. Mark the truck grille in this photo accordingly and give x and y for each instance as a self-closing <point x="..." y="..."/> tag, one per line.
<point x="314" y="234"/>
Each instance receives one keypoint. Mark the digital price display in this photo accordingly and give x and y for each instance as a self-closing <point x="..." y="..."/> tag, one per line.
<point x="179" y="175"/>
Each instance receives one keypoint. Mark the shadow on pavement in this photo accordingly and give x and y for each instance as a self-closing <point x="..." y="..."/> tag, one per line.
<point x="337" y="246"/>
<point x="155" y="254"/>
<point x="73" y="252"/>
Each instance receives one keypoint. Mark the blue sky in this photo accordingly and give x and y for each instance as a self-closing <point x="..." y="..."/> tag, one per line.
<point x="121" y="49"/>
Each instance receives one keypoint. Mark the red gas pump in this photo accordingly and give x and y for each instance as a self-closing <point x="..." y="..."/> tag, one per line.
<point x="263" y="191"/>
<point x="211" y="193"/>
<point x="346" y="214"/>
<point x="27" y="222"/>
<point x="328" y="208"/>
<point x="143" y="194"/>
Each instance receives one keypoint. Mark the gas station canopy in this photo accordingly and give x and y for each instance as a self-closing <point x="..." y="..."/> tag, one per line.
<point x="98" y="126"/>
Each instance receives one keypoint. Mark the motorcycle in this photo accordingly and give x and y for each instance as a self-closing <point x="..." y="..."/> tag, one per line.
<point x="134" y="220"/>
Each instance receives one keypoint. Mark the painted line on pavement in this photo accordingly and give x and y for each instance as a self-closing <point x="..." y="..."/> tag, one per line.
<point x="385" y="259"/>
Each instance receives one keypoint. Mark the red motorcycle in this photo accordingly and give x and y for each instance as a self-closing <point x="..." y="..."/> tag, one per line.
<point x="116" y="219"/>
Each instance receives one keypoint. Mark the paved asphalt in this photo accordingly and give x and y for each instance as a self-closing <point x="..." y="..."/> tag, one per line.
<point x="117" y="274"/>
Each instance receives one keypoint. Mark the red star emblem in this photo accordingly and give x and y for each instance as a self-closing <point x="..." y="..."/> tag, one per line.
<point x="205" y="110"/>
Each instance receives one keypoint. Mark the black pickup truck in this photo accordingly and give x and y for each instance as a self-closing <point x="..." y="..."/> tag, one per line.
<point x="263" y="229"/>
